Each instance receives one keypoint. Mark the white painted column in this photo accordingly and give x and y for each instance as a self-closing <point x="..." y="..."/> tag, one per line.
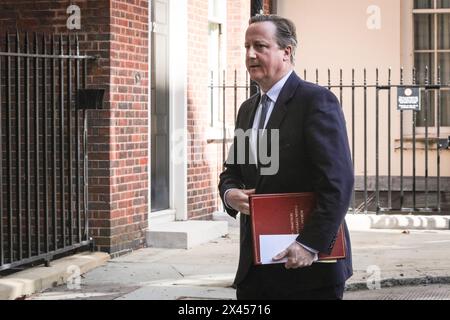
<point x="178" y="107"/>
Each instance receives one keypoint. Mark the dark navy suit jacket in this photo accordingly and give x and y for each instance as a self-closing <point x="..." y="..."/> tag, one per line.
<point x="314" y="156"/>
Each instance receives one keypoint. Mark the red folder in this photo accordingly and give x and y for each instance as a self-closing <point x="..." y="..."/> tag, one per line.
<point x="287" y="213"/>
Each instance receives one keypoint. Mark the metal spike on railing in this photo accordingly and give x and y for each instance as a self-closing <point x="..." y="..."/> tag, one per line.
<point x="439" y="79"/>
<point x="401" y="75"/>
<point x="341" y="98"/>
<point x="329" y="79"/>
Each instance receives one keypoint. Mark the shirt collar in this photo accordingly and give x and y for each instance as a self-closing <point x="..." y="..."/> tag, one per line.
<point x="274" y="92"/>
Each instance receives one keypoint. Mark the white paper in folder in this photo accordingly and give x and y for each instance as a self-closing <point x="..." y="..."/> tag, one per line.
<point x="271" y="245"/>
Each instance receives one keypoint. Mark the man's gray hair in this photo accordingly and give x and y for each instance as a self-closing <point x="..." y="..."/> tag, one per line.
<point x="286" y="33"/>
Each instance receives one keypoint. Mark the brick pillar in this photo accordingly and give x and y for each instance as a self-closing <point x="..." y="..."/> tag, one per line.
<point x="117" y="32"/>
<point x="200" y="187"/>
<point x="128" y="128"/>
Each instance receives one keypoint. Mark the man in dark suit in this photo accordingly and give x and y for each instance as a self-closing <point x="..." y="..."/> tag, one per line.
<point x="313" y="156"/>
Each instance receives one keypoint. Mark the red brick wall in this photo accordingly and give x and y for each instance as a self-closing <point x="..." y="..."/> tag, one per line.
<point x="128" y="132"/>
<point x="200" y="189"/>
<point x="117" y="32"/>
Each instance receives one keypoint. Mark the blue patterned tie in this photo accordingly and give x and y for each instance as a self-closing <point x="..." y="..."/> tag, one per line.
<point x="265" y="102"/>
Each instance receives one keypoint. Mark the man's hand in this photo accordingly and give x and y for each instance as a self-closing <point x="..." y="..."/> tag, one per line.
<point x="298" y="257"/>
<point x="238" y="200"/>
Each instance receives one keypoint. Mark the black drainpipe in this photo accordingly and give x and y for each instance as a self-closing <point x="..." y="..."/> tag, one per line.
<point x="257" y="7"/>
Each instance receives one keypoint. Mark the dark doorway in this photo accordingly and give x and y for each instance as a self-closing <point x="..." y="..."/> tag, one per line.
<point x="160" y="106"/>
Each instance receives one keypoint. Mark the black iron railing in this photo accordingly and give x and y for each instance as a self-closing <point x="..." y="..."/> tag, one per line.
<point x="369" y="108"/>
<point x="43" y="193"/>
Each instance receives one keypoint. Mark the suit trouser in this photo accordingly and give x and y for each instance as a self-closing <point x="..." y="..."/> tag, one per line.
<point x="263" y="286"/>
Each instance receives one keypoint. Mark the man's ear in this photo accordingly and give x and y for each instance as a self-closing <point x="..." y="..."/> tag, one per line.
<point x="287" y="53"/>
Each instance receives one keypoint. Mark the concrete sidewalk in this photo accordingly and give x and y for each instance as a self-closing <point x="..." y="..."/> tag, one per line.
<point x="396" y="257"/>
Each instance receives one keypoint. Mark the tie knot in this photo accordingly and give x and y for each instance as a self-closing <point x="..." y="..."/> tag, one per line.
<point x="265" y="99"/>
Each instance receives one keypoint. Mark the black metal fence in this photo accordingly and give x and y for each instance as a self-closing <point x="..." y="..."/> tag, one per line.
<point x="411" y="142"/>
<point x="43" y="189"/>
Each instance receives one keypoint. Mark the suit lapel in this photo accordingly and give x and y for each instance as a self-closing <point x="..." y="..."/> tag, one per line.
<point x="280" y="110"/>
<point x="254" y="106"/>
<point x="247" y="123"/>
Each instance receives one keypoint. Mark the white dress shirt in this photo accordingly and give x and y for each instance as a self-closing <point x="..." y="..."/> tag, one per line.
<point x="273" y="94"/>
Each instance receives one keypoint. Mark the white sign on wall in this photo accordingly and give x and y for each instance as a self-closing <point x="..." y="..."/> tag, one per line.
<point x="374" y="19"/>
<point x="409" y="98"/>
<point x="74" y="20"/>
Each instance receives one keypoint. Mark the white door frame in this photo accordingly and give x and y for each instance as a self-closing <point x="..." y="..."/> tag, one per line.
<point x="178" y="13"/>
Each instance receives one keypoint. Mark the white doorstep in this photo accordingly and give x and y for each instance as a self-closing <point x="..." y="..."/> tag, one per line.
<point x="184" y="234"/>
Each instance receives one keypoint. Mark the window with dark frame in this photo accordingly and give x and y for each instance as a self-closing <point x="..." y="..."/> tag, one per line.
<point x="432" y="58"/>
<point x="216" y="53"/>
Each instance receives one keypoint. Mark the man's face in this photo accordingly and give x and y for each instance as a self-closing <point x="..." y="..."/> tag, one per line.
<point x="265" y="61"/>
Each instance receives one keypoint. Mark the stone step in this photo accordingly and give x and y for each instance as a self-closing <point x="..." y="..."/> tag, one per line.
<point x="184" y="234"/>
